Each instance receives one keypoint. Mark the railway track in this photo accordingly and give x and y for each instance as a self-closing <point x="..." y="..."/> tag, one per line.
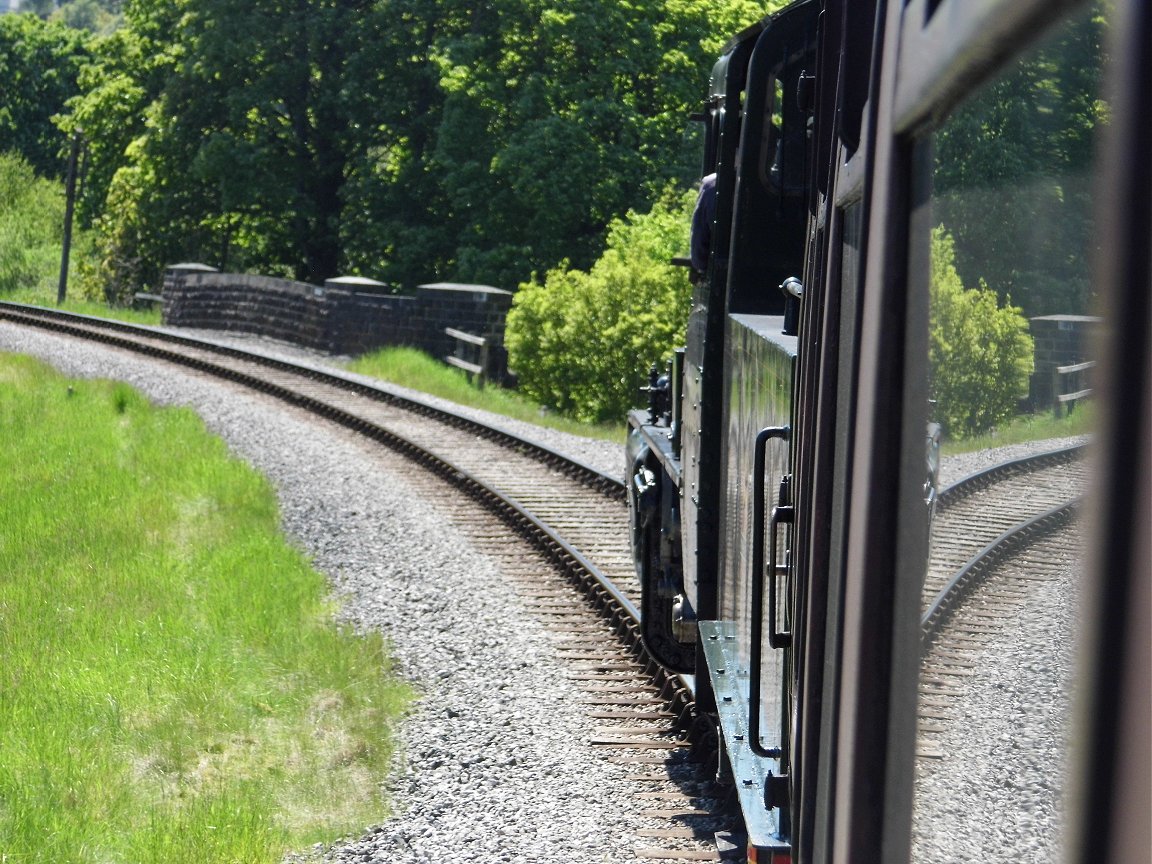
<point x="571" y="521"/>
<point x="997" y="536"/>
<point x="976" y="512"/>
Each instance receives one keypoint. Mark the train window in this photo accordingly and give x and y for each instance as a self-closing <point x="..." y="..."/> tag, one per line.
<point x="1008" y="243"/>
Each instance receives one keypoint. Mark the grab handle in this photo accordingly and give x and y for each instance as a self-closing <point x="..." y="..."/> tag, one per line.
<point x="759" y="534"/>
<point x="780" y="515"/>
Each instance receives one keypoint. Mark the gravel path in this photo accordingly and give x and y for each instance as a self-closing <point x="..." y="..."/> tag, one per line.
<point x="489" y="700"/>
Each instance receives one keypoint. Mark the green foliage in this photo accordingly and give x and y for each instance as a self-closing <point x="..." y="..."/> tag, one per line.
<point x="1030" y="132"/>
<point x="582" y="342"/>
<point x="408" y="140"/>
<point x="39" y="64"/>
<point x="980" y="353"/>
<point x="31" y="238"/>
<point x="558" y="118"/>
<point x="231" y="150"/>
<point x="414" y="369"/>
<point x="31" y="225"/>
<point x="95" y="16"/>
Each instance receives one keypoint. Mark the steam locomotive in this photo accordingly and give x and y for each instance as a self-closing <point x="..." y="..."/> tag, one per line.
<point x="867" y="156"/>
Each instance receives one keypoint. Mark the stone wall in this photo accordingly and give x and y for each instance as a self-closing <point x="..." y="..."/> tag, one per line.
<point x="349" y="315"/>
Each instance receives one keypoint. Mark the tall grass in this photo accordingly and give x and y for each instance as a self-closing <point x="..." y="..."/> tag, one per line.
<point x="31" y="225"/>
<point x="172" y="685"/>
<point x="417" y="370"/>
<point x="44" y="294"/>
<point x="1029" y="427"/>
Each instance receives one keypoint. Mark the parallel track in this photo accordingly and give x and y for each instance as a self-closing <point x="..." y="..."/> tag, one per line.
<point x="998" y="535"/>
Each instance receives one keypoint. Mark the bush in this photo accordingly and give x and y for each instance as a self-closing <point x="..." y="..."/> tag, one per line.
<point x="980" y="354"/>
<point x="582" y="342"/>
<point x="31" y="225"/>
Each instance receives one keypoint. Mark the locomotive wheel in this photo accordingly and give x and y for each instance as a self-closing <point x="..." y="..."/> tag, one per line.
<point x="657" y="611"/>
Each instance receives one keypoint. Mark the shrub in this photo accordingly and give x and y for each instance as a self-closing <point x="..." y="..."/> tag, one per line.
<point x="582" y="342"/>
<point x="31" y="224"/>
<point x="980" y="354"/>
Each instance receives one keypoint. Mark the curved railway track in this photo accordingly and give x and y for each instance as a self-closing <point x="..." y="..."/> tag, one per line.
<point x="997" y="536"/>
<point x="572" y="518"/>
<point x="984" y="510"/>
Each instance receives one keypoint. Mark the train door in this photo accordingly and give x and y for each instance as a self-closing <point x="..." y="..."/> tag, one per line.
<point x="964" y="243"/>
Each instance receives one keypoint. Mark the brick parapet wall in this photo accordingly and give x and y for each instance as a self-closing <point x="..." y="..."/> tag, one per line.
<point x="474" y="309"/>
<point x="346" y="316"/>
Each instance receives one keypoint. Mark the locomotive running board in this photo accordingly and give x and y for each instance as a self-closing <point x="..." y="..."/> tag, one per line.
<point x="752" y="775"/>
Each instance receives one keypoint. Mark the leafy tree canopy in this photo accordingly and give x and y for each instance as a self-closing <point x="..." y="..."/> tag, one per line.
<point x="403" y="139"/>
<point x="40" y="64"/>
<point x="979" y="352"/>
<point x="1013" y="176"/>
<point x="31" y="224"/>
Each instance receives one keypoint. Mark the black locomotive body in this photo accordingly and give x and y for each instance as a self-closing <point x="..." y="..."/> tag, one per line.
<point x="778" y="482"/>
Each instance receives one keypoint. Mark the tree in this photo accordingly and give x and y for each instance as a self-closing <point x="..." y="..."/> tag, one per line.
<point x="31" y="224"/>
<point x="1014" y="171"/>
<point x="582" y="342"/>
<point x="114" y="112"/>
<point x="39" y="64"/>
<point x="237" y="144"/>
<point x="979" y="353"/>
<point x="95" y="16"/>
<point x="403" y="139"/>
<point x="539" y="123"/>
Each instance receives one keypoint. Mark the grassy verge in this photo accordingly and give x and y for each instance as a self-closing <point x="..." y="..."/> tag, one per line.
<point x="411" y="368"/>
<point x="1029" y="427"/>
<point x="45" y="295"/>
<point x="172" y="686"/>
<point x="404" y="366"/>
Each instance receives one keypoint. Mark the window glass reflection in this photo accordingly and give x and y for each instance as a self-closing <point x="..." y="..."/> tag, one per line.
<point x="1010" y="376"/>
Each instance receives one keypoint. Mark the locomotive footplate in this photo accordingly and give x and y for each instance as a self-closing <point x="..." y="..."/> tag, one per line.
<point x="755" y="777"/>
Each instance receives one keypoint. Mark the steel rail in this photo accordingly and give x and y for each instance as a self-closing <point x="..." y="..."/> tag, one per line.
<point x="978" y="568"/>
<point x="973" y="483"/>
<point x="621" y="613"/>
<point x="60" y="321"/>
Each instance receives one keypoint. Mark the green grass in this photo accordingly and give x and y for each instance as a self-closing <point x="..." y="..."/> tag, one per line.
<point x="1027" y="428"/>
<point x="45" y="295"/>
<point x="172" y="685"/>
<point x="405" y="366"/>
<point x="415" y="369"/>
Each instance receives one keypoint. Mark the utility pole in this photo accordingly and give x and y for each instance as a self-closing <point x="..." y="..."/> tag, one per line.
<point x="69" y="206"/>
